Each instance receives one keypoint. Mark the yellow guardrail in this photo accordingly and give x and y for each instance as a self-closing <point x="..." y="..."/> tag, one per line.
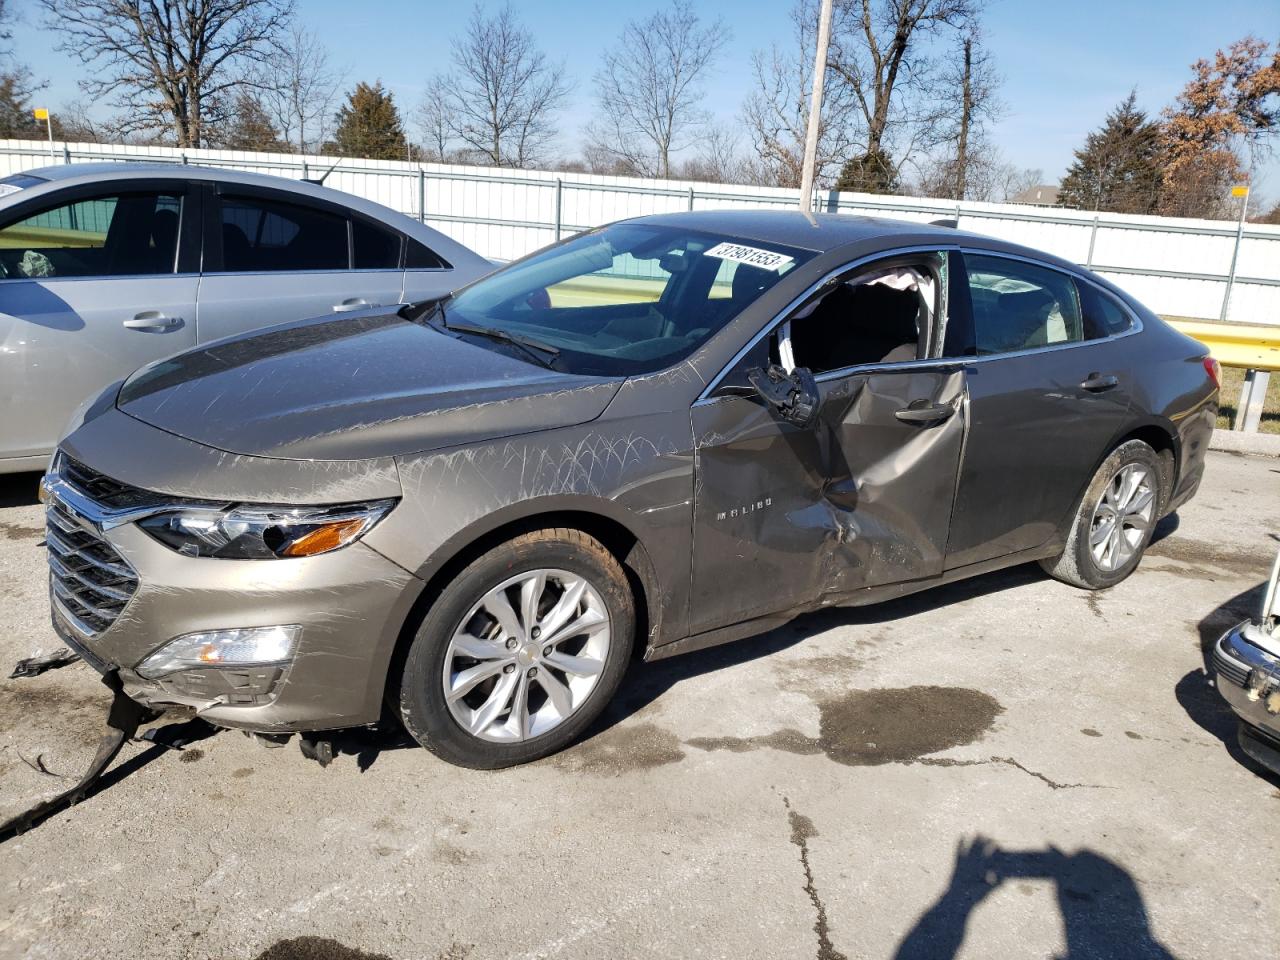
<point x="1249" y="346"/>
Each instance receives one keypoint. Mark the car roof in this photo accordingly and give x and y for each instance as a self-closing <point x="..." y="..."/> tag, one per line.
<point x="71" y="174"/>
<point x="68" y="173"/>
<point x="818" y="232"/>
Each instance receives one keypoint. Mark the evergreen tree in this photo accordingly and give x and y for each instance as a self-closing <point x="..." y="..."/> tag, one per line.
<point x="1118" y="169"/>
<point x="16" y="120"/>
<point x="369" y="125"/>
<point x="249" y="127"/>
<point x="870" y="172"/>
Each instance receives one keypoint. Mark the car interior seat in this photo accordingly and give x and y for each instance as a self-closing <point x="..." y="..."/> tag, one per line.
<point x="857" y="324"/>
<point x="1022" y="320"/>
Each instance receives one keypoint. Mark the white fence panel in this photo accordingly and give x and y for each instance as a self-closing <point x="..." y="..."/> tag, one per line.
<point x="1177" y="267"/>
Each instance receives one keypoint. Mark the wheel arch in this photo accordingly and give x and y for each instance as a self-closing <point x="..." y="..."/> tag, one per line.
<point x="586" y="514"/>
<point x="1162" y="437"/>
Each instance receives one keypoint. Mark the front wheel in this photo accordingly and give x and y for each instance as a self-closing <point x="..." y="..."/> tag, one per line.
<point x="1114" y="521"/>
<point x="520" y="652"/>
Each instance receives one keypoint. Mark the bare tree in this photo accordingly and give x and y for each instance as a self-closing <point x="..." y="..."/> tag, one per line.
<point x="883" y="51"/>
<point x="79" y="125"/>
<point x="299" y="87"/>
<point x="648" y="87"/>
<point x="169" y="63"/>
<point x="777" y="111"/>
<point x="960" y="166"/>
<point x="718" y="160"/>
<point x="989" y="176"/>
<point x="504" y="92"/>
<point x="975" y="77"/>
<point x="434" y="119"/>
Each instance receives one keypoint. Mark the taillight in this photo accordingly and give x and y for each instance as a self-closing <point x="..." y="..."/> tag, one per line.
<point x="1214" y="370"/>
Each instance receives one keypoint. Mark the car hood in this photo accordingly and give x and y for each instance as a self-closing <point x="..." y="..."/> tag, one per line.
<point x="354" y="387"/>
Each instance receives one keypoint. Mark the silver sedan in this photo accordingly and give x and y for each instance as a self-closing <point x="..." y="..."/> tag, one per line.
<point x="106" y="267"/>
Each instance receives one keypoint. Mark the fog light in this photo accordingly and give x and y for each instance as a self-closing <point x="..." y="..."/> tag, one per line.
<point x="239" y="646"/>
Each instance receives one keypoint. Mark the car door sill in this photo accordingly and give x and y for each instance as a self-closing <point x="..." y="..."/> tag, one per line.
<point x="859" y="598"/>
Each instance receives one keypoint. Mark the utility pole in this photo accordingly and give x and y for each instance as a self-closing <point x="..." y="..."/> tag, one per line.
<point x="815" y="108"/>
<point x="966" y="117"/>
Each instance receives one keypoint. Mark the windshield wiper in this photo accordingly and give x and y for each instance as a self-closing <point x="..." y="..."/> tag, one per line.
<point x="424" y="310"/>
<point x="529" y="345"/>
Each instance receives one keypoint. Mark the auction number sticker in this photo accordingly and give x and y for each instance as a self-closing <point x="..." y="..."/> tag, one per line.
<point x="752" y="256"/>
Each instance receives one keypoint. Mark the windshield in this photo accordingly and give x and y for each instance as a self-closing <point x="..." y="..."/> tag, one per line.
<point x="626" y="299"/>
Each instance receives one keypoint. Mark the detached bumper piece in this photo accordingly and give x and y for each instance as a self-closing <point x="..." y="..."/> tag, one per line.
<point x="34" y="666"/>
<point x="1247" y="673"/>
<point x="123" y="720"/>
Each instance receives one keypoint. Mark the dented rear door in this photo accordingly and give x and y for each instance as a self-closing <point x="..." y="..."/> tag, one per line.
<point x="787" y="516"/>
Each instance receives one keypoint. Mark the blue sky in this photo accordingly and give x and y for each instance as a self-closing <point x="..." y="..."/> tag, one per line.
<point x="1065" y="64"/>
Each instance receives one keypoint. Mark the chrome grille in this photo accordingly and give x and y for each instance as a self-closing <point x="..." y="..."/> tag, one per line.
<point x="90" y="582"/>
<point x="102" y="489"/>
<point x="1227" y="668"/>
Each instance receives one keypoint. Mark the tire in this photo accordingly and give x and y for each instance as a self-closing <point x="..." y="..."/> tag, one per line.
<point x="1086" y="563"/>
<point x="475" y="641"/>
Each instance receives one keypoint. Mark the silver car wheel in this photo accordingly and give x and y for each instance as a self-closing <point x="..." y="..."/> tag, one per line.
<point x="526" y="656"/>
<point x="1122" y="518"/>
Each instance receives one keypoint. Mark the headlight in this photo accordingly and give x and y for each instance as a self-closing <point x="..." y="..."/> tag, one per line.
<point x="263" y="533"/>
<point x="237" y="647"/>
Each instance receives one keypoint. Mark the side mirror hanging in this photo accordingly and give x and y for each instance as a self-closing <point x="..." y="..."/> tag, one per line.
<point x="794" y="396"/>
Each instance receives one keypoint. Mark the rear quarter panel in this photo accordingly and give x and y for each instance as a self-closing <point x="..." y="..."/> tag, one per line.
<point x="1171" y="389"/>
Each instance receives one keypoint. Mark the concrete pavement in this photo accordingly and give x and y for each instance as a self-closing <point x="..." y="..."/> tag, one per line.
<point x="1004" y="767"/>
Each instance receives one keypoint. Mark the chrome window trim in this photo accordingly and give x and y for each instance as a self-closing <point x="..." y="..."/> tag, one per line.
<point x="99" y="277"/>
<point x="927" y="362"/>
<point x="343" y="271"/>
<point x="1075" y="274"/>
<point x="785" y="312"/>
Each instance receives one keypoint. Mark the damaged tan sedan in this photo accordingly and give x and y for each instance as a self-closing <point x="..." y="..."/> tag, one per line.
<point x="656" y="436"/>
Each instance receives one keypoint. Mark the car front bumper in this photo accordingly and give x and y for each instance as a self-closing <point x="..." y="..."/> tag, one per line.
<point x="1248" y="677"/>
<point x="350" y="605"/>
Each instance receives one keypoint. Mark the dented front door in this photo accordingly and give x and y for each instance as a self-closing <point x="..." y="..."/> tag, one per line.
<point x="785" y="516"/>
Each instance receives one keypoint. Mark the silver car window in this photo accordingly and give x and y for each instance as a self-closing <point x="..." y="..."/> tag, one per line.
<point x="123" y="234"/>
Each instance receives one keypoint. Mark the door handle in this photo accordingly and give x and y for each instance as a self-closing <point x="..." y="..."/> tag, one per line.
<point x="354" y="303"/>
<point x="922" y="411"/>
<point x="152" y="320"/>
<point x="1097" y="383"/>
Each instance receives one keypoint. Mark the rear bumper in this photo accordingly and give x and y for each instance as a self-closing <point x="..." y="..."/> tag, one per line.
<point x="1248" y="678"/>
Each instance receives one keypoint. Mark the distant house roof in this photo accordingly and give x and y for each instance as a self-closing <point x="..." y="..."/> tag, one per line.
<point x="1042" y="195"/>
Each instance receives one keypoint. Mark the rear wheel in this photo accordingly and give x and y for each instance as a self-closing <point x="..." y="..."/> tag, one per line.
<point x="1114" y="521"/>
<point x="520" y="652"/>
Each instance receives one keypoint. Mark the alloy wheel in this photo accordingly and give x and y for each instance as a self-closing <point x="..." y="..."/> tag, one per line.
<point x="526" y="656"/>
<point x="1122" y="518"/>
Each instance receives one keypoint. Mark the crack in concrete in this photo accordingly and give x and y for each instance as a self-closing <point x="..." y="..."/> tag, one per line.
<point x="801" y="830"/>
<point x="1009" y="762"/>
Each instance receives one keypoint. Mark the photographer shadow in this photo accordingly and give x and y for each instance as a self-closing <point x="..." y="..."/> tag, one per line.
<point x="1103" y="914"/>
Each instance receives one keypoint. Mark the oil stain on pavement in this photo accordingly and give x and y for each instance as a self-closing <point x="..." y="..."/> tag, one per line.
<point x="620" y="749"/>
<point x="78" y="716"/>
<point x="888" y="725"/>
<point x="315" y="948"/>
<point x="17" y="531"/>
